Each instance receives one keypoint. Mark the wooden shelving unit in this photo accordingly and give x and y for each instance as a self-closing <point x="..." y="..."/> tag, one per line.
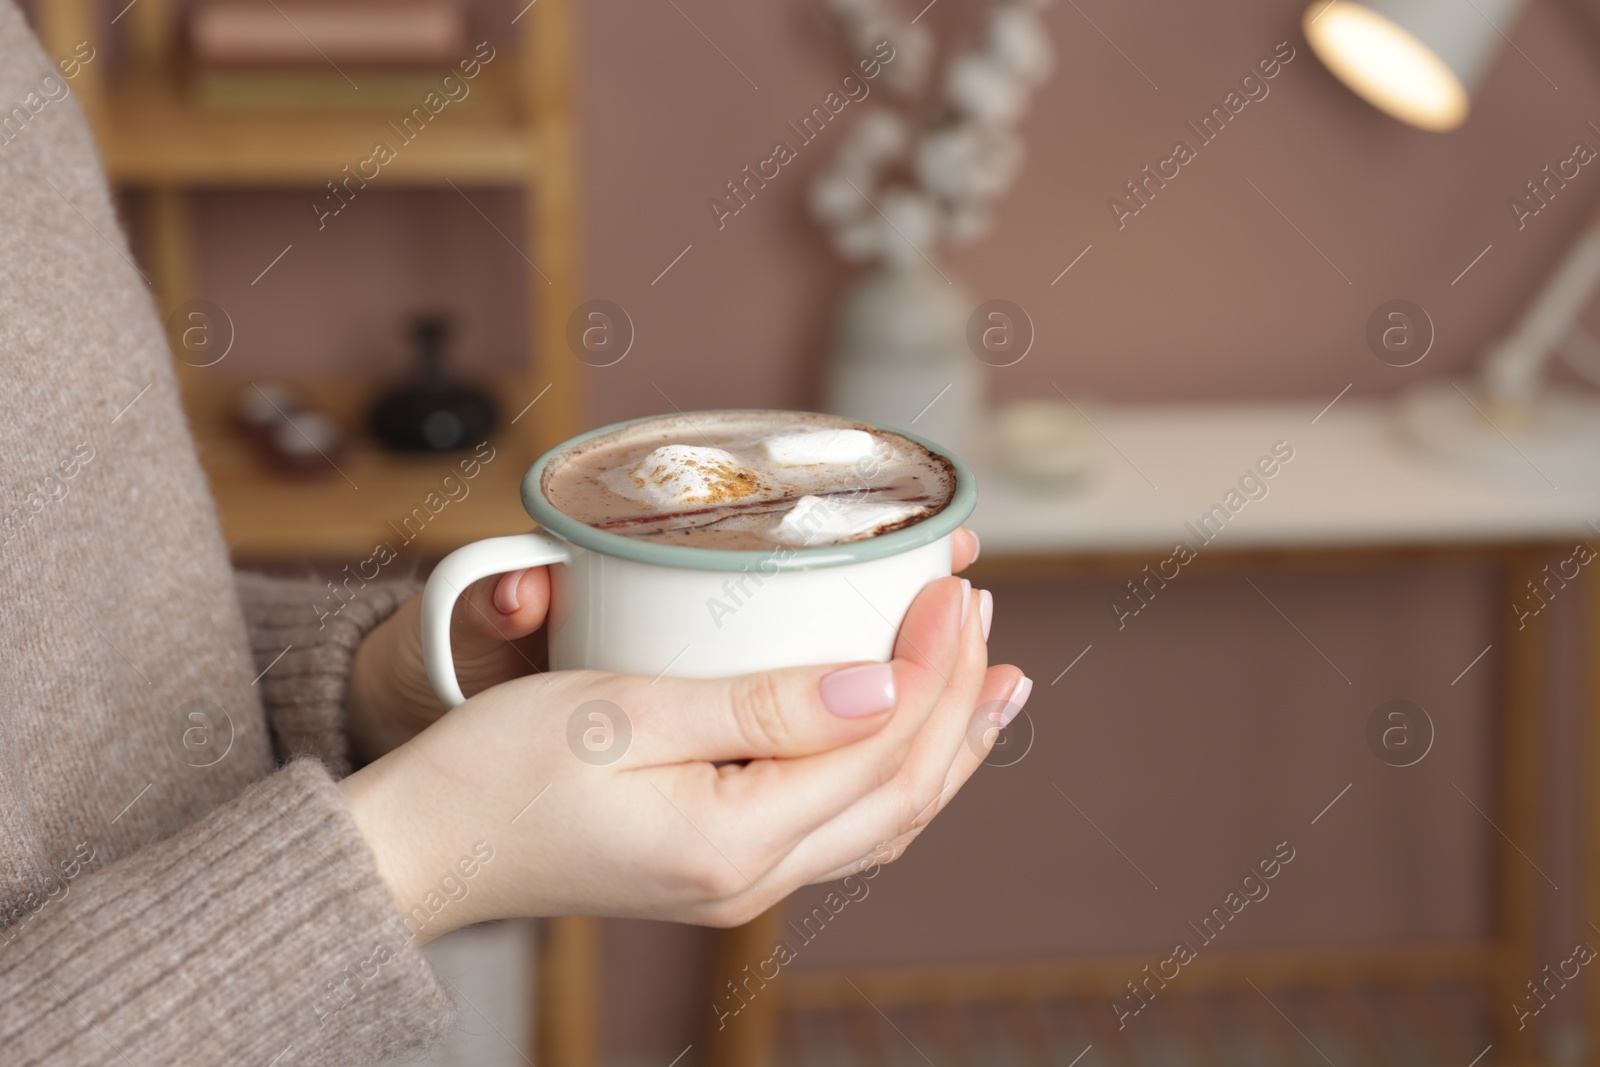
<point x="343" y="513"/>
<point x="516" y="130"/>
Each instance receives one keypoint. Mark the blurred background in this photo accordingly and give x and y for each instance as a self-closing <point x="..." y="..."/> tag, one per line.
<point x="1381" y="668"/>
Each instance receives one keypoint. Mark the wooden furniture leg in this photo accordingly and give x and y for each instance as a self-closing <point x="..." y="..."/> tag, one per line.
<point x="749" y="1038"/>
<point x="168" y="231"/>
<point x="1518" y="906"/>
<point x="167" y="226"/>
<point x="61" y="25"/>
<point x="152" y="30"/>
<point x="568" y="1015"/>
<point x="1589" y="826"/>
<point x="567" y="992"/>
<point x="553" y="224"/>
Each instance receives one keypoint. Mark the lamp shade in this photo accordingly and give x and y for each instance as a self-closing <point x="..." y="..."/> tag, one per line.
<point x="1418" y="60"/>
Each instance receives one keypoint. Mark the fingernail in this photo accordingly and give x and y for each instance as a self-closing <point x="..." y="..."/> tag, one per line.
<point x="966" y="602"/>
<point x="977" y="545"/>
<point x="1019" y="696"/>
<point x="857" y="691"/>
<point x="986" y="610"/>
<point x="505" y="593"/>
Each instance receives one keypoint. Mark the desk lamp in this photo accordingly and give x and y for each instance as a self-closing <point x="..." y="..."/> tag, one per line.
<point x="1421" y="61"/>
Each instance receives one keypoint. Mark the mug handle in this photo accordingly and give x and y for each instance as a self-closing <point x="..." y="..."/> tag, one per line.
<point x="455" y="572"/>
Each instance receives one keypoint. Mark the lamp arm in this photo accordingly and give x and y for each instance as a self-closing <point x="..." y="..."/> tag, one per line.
<point x="1514" y="368"/>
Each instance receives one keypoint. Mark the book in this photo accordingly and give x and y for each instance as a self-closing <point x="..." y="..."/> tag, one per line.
<point x="318" y="34"/>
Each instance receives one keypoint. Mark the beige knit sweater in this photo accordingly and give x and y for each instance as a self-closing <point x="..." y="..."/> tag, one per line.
<point x="161" y="902"/>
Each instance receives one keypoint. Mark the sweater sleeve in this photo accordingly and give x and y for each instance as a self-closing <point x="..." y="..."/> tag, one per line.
<point x="304" y="638"/>
<point x="260" y="934"/>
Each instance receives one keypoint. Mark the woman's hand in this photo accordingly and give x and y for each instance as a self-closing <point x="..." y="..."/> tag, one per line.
<point x="657" y="823"/>
<point x="390" y="700"/>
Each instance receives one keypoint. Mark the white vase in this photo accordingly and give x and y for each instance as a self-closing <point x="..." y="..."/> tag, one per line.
<point x="901" y="358"/>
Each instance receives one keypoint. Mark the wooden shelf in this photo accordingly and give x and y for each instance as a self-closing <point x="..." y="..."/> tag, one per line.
<point x="343" y="512"/>
<point x="1108" y="977"/>
<point x="270" y="517"/>
<point x="1428" y="1005"/>
<point x="154" y="135"/>
<point x="1319" y="1009"/>
<point x="373" y="498"/>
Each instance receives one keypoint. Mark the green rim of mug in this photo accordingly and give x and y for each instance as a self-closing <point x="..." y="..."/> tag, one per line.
<point x="583" y="535"/>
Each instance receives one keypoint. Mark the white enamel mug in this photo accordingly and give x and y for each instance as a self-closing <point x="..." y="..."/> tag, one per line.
<point x="630" y="606"/>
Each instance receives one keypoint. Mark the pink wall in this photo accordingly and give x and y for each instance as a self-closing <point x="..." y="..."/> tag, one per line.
<point x="1215" y="733"/>
<point x="1207" y="293"/>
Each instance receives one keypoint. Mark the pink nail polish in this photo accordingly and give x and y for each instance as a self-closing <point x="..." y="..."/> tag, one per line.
<point x="505" y="592"/>
<point x="966" y="602"/>
<point x="1019" y="697"/>
<point x="977" y="545"/>
<point x="858" y="691"/>
<point x="986" y="610"/>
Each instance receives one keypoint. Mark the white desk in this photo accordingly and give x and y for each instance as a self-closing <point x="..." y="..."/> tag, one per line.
<point x="1351" y="484"/>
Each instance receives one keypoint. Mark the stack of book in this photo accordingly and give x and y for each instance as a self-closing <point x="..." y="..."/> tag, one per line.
<point x="278" y="54"/>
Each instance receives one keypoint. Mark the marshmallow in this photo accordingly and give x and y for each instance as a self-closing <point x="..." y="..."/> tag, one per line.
<point x="818" y="446"/>
<point x="817" y="521"/>
<point x="691" y="474"/>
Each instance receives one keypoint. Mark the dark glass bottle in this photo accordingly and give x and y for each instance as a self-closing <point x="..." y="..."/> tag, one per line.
<point x="432" y="412"/>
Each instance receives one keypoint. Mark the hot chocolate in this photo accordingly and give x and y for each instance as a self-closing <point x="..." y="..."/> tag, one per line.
<point x="750" y="480"/>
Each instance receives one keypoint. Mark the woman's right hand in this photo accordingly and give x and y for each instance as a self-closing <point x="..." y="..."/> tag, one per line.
<point x="658" y="824"/>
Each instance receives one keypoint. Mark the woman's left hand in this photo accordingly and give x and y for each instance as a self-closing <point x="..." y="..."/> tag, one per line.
<point x="390" y="699"/>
